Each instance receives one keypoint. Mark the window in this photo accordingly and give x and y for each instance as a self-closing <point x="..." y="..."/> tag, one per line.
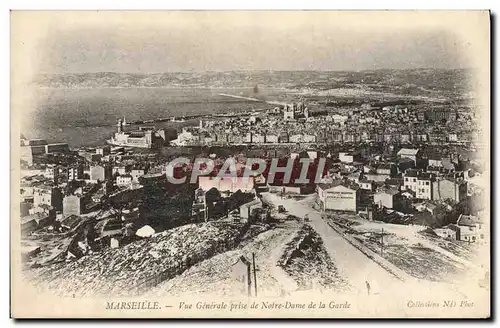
<point x="427" y="183"/>
<point x="482" y="236"/>
<point x="406" y="179"/>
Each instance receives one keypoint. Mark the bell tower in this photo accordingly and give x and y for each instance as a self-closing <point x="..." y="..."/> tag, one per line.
<point x="120" y="125"/>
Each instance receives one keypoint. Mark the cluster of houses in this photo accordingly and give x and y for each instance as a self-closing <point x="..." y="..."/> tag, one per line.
<point x="54" y="196"/>
<point x="391" y="124"/>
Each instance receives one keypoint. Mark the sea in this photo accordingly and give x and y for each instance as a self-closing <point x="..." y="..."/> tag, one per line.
<point x="88" y="117"/>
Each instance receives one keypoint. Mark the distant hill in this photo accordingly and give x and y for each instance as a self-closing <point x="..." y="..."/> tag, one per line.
<point x="422" y="79"/>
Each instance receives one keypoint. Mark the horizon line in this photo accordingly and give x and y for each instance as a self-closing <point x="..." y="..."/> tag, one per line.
<point x="260" y="71"/>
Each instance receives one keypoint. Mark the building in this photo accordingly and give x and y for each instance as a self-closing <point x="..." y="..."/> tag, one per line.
<point x="346" y="157"/>
<point x="258" y="138"/>
<point x="451" y="231"/>
<point x="246" y="209"/>
<point x="388" y="198"/>
<point x="33" y="142"/>
<point x="46" y="195"/>
<point x="365" y="184"/>
<point x="136" y="174"/>
<point x="421" y="183"/>
<point x="227" y="184"/>
<point x="404" y="164"/>
<point x="121" y="170"/>
<point x="439" y="115"/>
<point x="103" y="151"/>
<point x="413" y="154"/>
<point x="387" y="169"/>
<point x="52" y="173"/>
<point x="75" y="172"/>
<point x="376" y="177"/>
<point x="152" y="178"/>
<point x="296" y="138"/>
<point x="289" y="112"/>
<point x="283" y="137"/>
<point x="91" y="157"/>
<point x="471" y="228"/>
<point x="272" y="138"/>
<point x="309" y="138"/>
<point x="144" y="137"/>
<point x="199" y="208"/>
<point x="434" y="161"/>
<point x="449" y="189"/>
<point x="74" y="205"/>
<point x="57" y="148"/>
<point x="124" y="180"/>
<point x="338" y="197"/>
<point x="452" y="137"/>
<point x="99" y="173"/>
<point x="410" y="178"/>
<point x="425" y="186"/>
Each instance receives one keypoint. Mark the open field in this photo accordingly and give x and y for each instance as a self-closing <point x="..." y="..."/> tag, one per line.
<point x="417" y="254"/>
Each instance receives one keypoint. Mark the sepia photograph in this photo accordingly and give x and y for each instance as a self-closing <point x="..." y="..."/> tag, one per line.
<point x="250" y="164"/>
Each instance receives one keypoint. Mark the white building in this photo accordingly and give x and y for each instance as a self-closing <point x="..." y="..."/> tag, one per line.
<point x="136" y="174"/>
<point x="346" y="157"/>
<point x="297" y="138"/>
<point x="124" y="180"/>
<point x="471" y="228"/>
<point x="121" y="170"/>
<point x="418" y="182"/>
<point x="246" y="209"/>
<point x="339" y="197"/>
<point x="309" y="138"/>
<point x="51" y="172"/>
<point x="451" y="231"/>
<point x="410" y="153"/>
<point x="386" y="198"/>
<point x="365" y="185"/>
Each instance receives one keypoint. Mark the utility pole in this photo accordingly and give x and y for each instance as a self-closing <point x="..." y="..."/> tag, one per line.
<point x="254" y="274"/>
<point x="382" y="245"/>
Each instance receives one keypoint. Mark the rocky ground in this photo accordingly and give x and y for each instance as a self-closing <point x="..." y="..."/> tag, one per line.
<point x="308" y="263"/>
<point x="130" y="269"/>
<point x="214" y="276"/>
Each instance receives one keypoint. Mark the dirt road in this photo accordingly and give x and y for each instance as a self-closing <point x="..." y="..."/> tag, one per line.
<point x="353" y="264"/>
<point x="358" y="269"/>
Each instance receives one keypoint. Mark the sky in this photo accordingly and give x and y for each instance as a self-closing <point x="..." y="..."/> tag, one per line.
<point x="198" y="41"/>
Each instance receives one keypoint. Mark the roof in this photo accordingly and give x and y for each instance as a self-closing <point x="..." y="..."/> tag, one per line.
<point x="408" y="151"/>
<point x="405" y="160"/>
<point x="336" y="184"/>
<point x="253" y="202"/>
<point x="389" y="191"/>
<point x="411" y="173"/>
<point x="71" y="221"/>
<point x="450" y="227"/>
<point x="385" y="166"/>
<point x="468" y="220"/>
<point x="425" y="176"/>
